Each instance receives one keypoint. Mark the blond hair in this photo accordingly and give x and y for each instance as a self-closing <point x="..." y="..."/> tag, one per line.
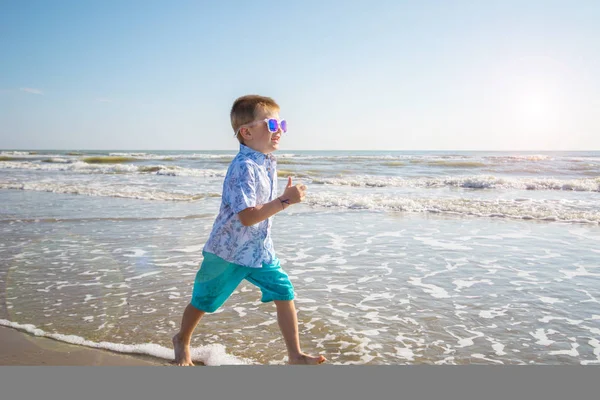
<point x="244" y="110"/>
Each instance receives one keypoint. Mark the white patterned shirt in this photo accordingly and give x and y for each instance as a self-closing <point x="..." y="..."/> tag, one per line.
<point x="251" y="180"/>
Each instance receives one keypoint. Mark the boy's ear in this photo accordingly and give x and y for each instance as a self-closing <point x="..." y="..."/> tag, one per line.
<point x="245" y="132"/>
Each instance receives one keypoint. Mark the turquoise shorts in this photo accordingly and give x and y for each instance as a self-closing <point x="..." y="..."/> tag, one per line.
<point x="217" y="279"/>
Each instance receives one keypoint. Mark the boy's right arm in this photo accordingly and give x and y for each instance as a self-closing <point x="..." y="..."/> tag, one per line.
<point x="292" y="194"/>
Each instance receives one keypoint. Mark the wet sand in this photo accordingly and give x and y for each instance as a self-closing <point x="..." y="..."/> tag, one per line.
<point x="19" y="348"/>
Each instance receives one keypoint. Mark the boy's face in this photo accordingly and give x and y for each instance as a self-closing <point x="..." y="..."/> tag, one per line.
<point x="257" y="136"/>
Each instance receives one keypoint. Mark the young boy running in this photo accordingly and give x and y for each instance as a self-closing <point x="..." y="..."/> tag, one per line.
<point x="240" y="245"/>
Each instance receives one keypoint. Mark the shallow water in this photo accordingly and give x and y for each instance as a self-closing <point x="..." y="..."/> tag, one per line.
<point x="441" y="272"/>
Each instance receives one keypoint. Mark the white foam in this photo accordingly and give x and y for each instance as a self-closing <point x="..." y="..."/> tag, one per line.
<point x="580" y="271"/>
<point x="498" y="349"/>
<point x="540" y="335"/>
<point x="118" y="168"/>
<point x="591" y="299"/>
<point x="433" y="290"/>
<point x="468" y="182"/>
<point x="441" y="244"/>
<point x="488" y="314"/>
<point x="86" y="189"/>
<point x="151" y="156"/>
<point x="405" y="352"/>
<point x="497" y="208"/>
<point x="596" y="349"/>
<point x="370" y="332"/>
<point x="241" y="311"/>
<point x="460" y="283"/>
<point x="572" y="352"/>
<point x="465" y="342"/>
<point x="58" y="160"/>
<point x="526" y="157"/>
<point x="89" y="297"/>
<point x="142" y="275"/>
<point x="482" y="357"/>
<point x="174" y="170"/>
<point x="548" y="318"/>
<point x="190" y="249"/>
<point x="550" y="300"/>
<point x="14" y="153"/>
<point x="212" y="354"/>
<point x="136" y="253"/>
<point x="378" y="296"/>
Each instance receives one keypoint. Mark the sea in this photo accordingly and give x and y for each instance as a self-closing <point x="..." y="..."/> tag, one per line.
<point x="397" y="257"/>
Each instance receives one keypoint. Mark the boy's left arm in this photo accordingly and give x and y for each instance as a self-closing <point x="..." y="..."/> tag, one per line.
<point x="253" y="215"/>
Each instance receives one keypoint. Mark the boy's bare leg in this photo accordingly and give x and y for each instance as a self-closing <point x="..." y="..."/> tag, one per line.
<point x="181" y="341"/>
<point x="288" y="323"/>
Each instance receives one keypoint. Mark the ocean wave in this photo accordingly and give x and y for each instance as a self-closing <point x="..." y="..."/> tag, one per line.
<point x="173" y="157"/>
<point x="10" y="158"/>
<point x="456" y="164"/>
<point x="141" y="155"/>
<point x="104" y="168"/>
<point x="284" y="173"/>
<point x="17" y="153"/>
<point x="468" y="182"/>
<point x="520" y="157"/>
<point x="109" y="159"/>
<point x="354" y="158"/>
<point x="512" y="209"/>
<point x="127" y="192"/>
<point x="292" y="161"/>
<point x="212" y="354"/>
<point x="393" y="163"/>
<point x="57" y="160"/>
<point x="585" y="167"/>
<point x="173" y="170"/>
<point x="583" y="158"/>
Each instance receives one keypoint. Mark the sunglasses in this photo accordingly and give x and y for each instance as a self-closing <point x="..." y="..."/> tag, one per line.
<point x="273" y="125"/>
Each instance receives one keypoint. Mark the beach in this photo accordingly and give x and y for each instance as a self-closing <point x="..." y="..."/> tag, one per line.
<point x="17" y="348"/>
<point x="441" y="258"/>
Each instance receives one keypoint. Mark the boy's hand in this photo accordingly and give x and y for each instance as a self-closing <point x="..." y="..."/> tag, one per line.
<point x="293" y="193"/>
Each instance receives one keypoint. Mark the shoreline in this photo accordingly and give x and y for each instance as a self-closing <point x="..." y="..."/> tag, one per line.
<point x="20" y="348"/>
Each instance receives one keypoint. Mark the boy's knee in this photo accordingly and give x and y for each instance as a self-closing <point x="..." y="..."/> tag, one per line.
<point x="286" y="296"/>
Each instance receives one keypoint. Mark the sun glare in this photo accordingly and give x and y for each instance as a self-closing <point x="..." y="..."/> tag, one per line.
<point x="533" y="106"/>
<point x="537" y="117"/>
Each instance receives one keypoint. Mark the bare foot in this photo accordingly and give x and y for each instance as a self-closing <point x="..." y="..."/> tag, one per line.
<point x="182" y="352"/>
<point x="305" y="359"/>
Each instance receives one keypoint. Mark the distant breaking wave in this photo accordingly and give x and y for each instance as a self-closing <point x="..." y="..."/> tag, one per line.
<point x="108" y="168"/>
<point x="173" y="157"/>
<point x="469" y="182"/>
<point x="512" y="209"/>
<point x="110" y="157"/>
<point x="543" y="210"/>
<point x="128" y="192"/>
<point x="521" y="157"/>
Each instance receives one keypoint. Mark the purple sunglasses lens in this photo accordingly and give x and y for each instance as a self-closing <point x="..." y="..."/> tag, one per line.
<point x="283" y="125"/>
<point x="272" y="125"/>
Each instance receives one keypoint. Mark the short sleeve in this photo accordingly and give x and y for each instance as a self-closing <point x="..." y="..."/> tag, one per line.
<point x="239" y="189"/>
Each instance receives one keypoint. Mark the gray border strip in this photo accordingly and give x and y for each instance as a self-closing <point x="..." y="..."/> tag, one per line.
<point x="301" y="382"/>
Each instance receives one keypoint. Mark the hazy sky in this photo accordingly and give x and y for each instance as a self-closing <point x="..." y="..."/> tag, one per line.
<point x="362" y="75"/>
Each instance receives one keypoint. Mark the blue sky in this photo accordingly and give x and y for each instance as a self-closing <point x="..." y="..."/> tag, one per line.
<point x="356" y="75"/>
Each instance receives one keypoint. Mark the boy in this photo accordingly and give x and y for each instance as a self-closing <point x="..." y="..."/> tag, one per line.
<point x="240" y="245"/>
